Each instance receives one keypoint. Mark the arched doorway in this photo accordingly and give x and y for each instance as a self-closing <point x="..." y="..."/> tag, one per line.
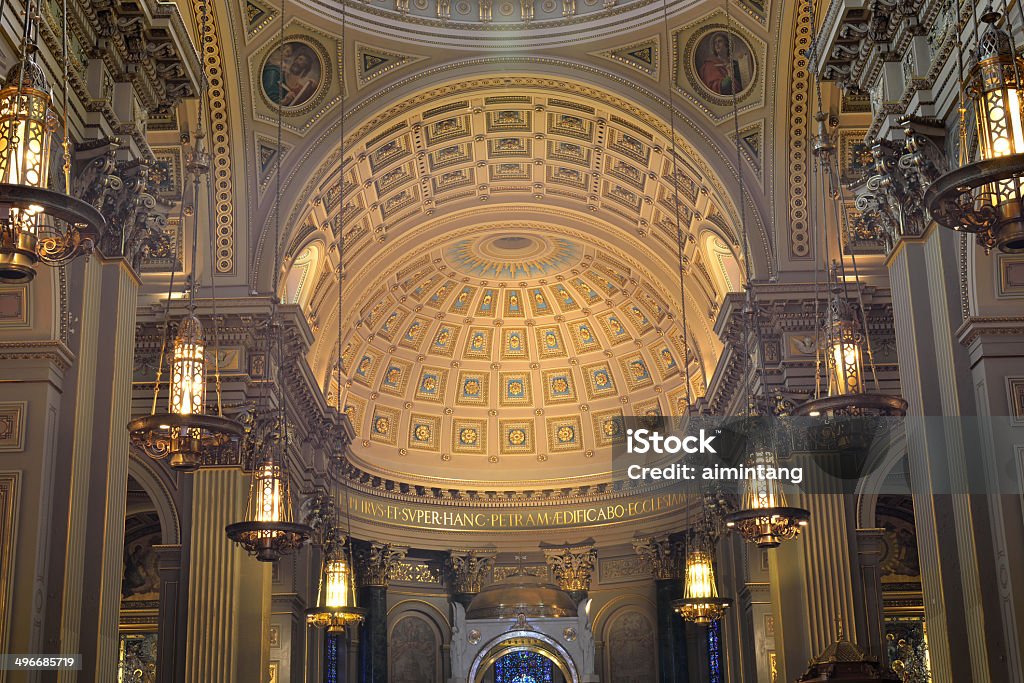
<point x="524" y="657"/>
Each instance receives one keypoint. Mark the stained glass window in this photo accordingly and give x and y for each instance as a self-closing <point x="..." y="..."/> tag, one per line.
<point x="331" y="658"/>
<point x="523" y="667"/>
<point x="715" y="651"/>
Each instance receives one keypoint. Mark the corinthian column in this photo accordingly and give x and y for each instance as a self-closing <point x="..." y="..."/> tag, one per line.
<point x="468" y="571"/>
<point x="666" y="555"/>
<point x="373" y="570"/>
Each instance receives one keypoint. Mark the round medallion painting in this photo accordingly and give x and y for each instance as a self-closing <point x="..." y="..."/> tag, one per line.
<point x="291" y="74"/>
<point x="724" y="63"/>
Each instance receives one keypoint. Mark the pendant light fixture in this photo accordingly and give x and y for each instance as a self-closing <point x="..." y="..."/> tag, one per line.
<point x="844" y="338"/>
<point x="764" y="517"/>
<point x="700" y="603"/>
<point x="336" y="607"/>
<point x="268" y="530"/>
<point x="37" y="224"/>
<point x="185" y="432"/>
<point x="986" y="196"/>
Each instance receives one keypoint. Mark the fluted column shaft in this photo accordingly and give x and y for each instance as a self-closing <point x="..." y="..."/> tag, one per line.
<point x="951" y="529"/>
<point x="228" y="592"/>
<point x="98" y="485"/>
<point x="812" y="585"/>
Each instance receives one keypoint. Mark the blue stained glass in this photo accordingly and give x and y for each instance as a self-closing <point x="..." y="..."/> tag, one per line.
<point x="715" y="651"/>
<point x="523" y="667"/>
<point x="331" y="658"/>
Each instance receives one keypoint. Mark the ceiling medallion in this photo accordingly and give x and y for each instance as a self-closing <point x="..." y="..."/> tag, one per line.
<point x="513" y="255"/>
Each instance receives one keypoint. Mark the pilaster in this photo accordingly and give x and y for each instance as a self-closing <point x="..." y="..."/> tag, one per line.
<point x="170" y="619"/>
<point x="666" y="557"/>
<point x="951" y="529"/>
<point x="870" y="547"/>
<point x="228" y="592"/>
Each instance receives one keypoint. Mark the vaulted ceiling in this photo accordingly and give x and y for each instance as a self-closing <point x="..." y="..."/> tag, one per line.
<point x="508" y="182"/>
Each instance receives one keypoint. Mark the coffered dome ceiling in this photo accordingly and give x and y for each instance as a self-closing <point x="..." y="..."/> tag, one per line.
<point x="509" y="353"/>
<point x="512" y="287"/>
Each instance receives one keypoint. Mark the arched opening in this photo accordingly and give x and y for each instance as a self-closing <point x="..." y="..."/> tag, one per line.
<point x="303" y="271"/>
<point x="140" y="587"/>
<point x="524" y="657"/>
<point x="524" y="666"/>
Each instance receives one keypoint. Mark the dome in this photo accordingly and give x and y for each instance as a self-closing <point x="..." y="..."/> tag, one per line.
<point x="510" y="355"/>
<point x="515" y="595"/>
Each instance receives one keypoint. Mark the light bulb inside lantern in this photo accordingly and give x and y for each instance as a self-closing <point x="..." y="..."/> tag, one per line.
<point x="269" y="493"/>
<point x="336" y="583"/>
<point x="845" y="359"/>
<point x="761" y="492"/>
<point x="700" y="577"/>
<point x="188" y="369"/>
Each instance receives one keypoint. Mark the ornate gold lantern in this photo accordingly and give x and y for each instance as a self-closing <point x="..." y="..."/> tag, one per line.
<point x="700" y="603"/>
<point x="764" y="518"/>
<point x="268" y="530"/>
<point x="985" y="197"/>
<point x="28" y="122"/>
<point x="845" y="353"/>
<point x="29" y="210"/>
<point x="185" y="432"/>
<point x="336" y="608"/>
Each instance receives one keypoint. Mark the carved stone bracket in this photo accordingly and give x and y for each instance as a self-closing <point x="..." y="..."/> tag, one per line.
<point x="664" y="554"/>
<point x="376" y="562"/>
<point x="572" y="564"/>
<point x="864" y="32"/>
<point x="118" y="189"/>
<point x="469" y="571"/>
<point x="891" y="199"/>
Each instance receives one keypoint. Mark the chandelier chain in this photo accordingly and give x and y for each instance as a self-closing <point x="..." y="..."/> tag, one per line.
<point x="680" y="241"/>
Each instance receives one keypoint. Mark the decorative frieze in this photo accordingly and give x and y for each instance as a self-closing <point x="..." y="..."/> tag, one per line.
<point x="415" y="571"/>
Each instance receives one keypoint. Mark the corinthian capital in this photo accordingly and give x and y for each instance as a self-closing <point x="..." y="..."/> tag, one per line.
<point x="375" y="563"/>
<point x="469" y="570"/>
<point x="664" y="554"/>
<point x="571" y="564"/>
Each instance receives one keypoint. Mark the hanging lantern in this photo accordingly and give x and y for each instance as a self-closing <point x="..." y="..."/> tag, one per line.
<point x="268" y="530"/>
<point x="764" y="517"/>
<point x="185" y="432"/>
<point x="336" y="608"/>
<point x="27" y="124"/>
<point x="700" y="603"/>
<point x="985" y="197"/>
<point x="844" y="338"/>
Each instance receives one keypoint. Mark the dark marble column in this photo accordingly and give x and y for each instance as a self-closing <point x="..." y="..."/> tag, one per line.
<point x="672" y="641"/>
<point x="373" y="651"/>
